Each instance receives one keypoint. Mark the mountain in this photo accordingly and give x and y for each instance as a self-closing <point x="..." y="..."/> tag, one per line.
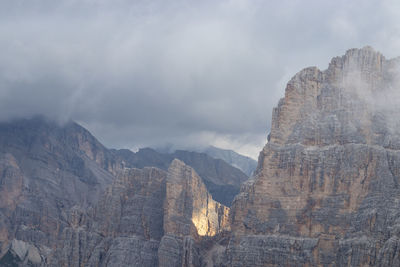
<point x="243" y="163"/>
<point x="147" y="217"/>
<point x="66" y="200"/>
<point x="222" y="180"/>
<point x="46" y="171"/>
<point x="326" y="192"/>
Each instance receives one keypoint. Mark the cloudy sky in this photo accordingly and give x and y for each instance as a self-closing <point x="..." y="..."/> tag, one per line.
<point x="190" y="73"/>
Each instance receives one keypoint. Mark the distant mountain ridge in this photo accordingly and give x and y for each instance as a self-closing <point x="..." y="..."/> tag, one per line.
<point x="244" y="163"/>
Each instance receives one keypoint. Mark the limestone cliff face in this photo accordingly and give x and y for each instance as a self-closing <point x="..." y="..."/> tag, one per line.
<point x="221" y="179"/>
<point x="82" y="140"/>
<point x="123" y="229"/>
<point x="66" y="200"/>
<point x="190" y="213"/>
<point x="189" y="207"/>
<point x="327" y="190"/>
<point x="43" y="175"/>
<point x="146" y="217"/>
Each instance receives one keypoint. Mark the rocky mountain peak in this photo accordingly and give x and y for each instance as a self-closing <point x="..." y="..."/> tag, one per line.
<point x="326" y="191"/>
<point x="365" y="59"/>
<point x="330" y="170"/>
<point x="361" y="65"/>
<point x="344" y="103"/>
<point x="42" y="135"/>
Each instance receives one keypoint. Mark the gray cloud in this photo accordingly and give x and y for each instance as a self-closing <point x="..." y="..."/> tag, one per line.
<point x="140" y="73"/>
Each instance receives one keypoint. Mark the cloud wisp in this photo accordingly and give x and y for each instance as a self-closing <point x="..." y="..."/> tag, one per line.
<point x="146" y="73"/>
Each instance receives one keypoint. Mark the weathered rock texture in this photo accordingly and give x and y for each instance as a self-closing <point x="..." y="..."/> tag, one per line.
<point x="123" y="229"/>
<point x="326" y="192"/>
<point x="147" y="217"/>
<point x="189" y="208"/>
<point x="66" y="200"/>
<point x="189" y="214"/>
<point x="222" y="180"/>
<point x="45" y="170"/>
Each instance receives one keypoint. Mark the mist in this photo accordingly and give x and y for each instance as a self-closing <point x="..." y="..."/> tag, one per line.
<point x="140" y="73"/>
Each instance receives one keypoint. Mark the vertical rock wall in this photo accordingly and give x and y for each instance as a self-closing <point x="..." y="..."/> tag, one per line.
<point x="326" y="191"/>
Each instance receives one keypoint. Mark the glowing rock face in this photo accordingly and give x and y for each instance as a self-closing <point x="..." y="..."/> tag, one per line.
<point x="189" y="209"/>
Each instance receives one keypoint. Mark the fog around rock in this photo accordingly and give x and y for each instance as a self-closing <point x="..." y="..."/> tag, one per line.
<point x="139" y="73"/>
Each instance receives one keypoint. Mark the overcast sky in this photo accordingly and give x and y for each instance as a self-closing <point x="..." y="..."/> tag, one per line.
<point x="189" y="73"/>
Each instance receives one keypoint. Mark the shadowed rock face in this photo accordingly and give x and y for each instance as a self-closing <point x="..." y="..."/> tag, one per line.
<point x="45" y="170"/>
<point x="326" y="192"/>
<point x="245" y="164"/>
<point x="147" y="217"/>
<point x="123" y="229"/>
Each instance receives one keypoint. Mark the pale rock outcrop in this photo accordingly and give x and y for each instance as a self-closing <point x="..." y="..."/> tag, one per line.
<point x="189" y="214"/>
<point x="221" y="179"/>
<point x="326" y="192"/>
<point x="189" y="208"/>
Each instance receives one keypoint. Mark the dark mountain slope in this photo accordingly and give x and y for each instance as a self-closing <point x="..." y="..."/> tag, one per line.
<point x="245" y="164"/>
<point x="52" y="175"/>
<point x="45" y="170"/>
